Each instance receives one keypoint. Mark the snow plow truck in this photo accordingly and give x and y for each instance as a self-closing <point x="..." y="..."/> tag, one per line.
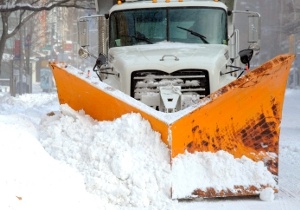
<point x="178" y="64"/>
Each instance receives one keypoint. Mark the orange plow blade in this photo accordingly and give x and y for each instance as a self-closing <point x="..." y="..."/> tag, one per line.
<point x="231" y="137"/>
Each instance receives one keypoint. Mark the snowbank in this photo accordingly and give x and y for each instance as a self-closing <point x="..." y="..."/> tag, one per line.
<point x="124" y="162"/>
<point x="30" y="178"/>
<point x="221" y="171"/>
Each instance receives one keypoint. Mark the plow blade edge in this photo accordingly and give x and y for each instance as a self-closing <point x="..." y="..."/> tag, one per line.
<point x="240" y="120"/>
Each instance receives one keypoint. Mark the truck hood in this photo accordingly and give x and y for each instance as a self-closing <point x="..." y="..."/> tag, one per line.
<point x="170" y="56"/>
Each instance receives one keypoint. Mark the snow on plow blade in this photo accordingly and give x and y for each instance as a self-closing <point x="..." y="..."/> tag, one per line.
<point x="231" y="137"/>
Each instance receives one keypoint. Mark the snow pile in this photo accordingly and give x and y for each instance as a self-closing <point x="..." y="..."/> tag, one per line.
<point x="267" y="194"/>
<point x="220" y="171"/>
<point x="124" y="162"/>
<point x="34" y="105"/>
<point x="30" y="178"/>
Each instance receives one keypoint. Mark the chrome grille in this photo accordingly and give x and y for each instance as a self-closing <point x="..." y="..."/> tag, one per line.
<point x="190" y="80"/>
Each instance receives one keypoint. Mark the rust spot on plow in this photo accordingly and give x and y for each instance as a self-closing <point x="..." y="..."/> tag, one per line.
<point x="237" y="191"/>
<point x="195" y="128"/>
<point x="275" y="107"/>
<point x="189" y="145"/>
<point x="262" y="135"/>
<point x="205" y="143"/>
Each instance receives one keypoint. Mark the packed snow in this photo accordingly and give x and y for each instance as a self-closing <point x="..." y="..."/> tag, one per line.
<point x="52" y="157"/>
<point x="220" y="171"/>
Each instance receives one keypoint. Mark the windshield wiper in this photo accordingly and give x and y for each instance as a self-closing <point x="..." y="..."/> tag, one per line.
<point x="203" y="38"/>
<point x="141" y="37"/>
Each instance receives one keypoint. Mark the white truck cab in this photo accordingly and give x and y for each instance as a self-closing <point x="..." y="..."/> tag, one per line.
<point x="169" y="54"/>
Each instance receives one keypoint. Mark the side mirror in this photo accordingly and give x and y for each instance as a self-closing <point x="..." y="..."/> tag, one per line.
<point x="246" y="56"/>
<point x="254" y="31"/>
<point x="83" y="53"/>
<point x="83" y="35"/>
<point x="254" y="28"/>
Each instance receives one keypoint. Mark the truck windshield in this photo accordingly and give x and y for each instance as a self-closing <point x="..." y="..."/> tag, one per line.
<point x="185" y="25"/>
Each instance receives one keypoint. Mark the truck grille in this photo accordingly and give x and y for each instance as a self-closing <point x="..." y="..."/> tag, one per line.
<point x="191" y="81"/>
